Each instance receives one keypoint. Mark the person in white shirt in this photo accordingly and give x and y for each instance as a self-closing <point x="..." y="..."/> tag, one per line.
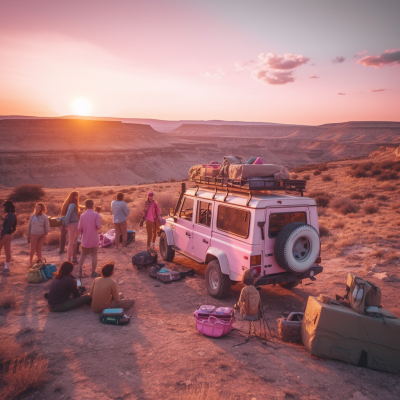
<point x="38" y="228"/>
<point x="120" y="213"/>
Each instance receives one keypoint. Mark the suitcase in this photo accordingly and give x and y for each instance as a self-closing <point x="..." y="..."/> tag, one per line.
<point x="165" y="275"/>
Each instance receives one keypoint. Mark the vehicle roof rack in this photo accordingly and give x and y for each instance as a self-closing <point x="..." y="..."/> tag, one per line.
<point x="253" y="185"/>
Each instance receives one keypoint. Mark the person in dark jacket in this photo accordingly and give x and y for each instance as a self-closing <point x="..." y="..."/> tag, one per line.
<point x="63" y="285"/>
<point x="9" y="226"/>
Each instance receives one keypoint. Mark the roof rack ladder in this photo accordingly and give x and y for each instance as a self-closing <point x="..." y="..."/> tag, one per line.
<point x="249" y="199"/>
<point x="215" y="193"/>
<point x="226" y="194"/>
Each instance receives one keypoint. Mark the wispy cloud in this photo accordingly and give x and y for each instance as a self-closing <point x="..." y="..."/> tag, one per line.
<point x="376" y="90"/>
<point x="274" y="69"/>
<point x="313" y="76"/>
<point x="342" y="94"/>
<point x="360" y="53"/>
<point x="389" y="57"/>
<point x="214" y="75"/>
<point x="338" y="60"/>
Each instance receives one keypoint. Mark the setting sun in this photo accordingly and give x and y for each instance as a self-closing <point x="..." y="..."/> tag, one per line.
<point x="81" y="106"/>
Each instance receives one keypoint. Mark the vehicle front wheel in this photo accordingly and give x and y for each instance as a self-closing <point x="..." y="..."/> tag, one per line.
<point x="167" y="253"/>
<point x="217" y="283"/>
<point x="289" y="285"/>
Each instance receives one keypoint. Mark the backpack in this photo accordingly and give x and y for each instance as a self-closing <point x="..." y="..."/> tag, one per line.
<point x="144" y="259"/>
<point x="361" y="293"/>
<point x="36" y="273"/>
<point x="107" y="239"/>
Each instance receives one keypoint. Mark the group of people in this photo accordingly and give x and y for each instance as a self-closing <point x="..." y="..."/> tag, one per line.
<point x="83" y="221"/>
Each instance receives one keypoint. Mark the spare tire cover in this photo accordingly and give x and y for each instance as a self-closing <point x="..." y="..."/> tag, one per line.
<point x="297" y="247"/>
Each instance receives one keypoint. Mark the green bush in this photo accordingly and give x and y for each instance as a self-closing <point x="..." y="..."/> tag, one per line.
<point x="27" y="192"/>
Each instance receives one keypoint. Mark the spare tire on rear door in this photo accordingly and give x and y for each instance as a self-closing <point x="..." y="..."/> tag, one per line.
<point x="297" y="247"/>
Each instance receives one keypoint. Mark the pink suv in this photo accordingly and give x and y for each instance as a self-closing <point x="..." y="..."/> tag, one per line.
<point x="274" y="235"/>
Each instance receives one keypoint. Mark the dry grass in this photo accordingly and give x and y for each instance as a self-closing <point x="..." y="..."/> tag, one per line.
<point x="54" y="237"/>
<point x="321" y="198"/>
<point x="202" y="393"/>
<point x="327" y="178"/>
<point x="323" y="231"/>
<point x="344" y="205"/>
<point x="370" y="208"/>
<point x="23" y="375"/>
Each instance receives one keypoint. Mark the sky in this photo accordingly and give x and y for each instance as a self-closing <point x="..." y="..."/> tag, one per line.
<point x="289" y="61"/>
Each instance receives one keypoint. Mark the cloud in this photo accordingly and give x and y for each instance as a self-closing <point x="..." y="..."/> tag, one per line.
<point x="342" y="94"/>
<point x="274" y="69"/>
<point x="360" y="53"/>
<point x="273" y="77"/>
<point x="338" y="60"/>
<point x="387" y="58"/>
<point x="376" y="90"/>
<point x="213" y="75"/>
<point x="313" y="76"/>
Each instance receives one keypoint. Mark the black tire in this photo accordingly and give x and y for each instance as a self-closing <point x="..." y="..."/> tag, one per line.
<point x="289" y="285"/>
<point x="167" y="253"/>
<point x="297" y="247"/>
<point x="217" y="283"/>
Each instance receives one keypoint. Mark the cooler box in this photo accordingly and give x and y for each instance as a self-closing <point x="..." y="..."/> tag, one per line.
<point x="339" y="332"/>
<point x="214" y="321"/>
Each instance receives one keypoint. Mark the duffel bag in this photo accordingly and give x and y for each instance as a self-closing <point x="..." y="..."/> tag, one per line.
<point x="49" y="270"/>
<point x="56" y="221"/>
<point x="34" y="276"/>
<point x="144" y="259"/>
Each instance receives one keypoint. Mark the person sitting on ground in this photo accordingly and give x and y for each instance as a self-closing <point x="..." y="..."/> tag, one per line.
<point x="120" y="212"/>
<point x="151" y="214"/>
<point x="104" y="291"/>
<point x="249" y="302"/>
<point x="7" y="230"/>
<point x="63" y="285"/>
<point x="89" y="224"/>
<point x="38" y="228"/>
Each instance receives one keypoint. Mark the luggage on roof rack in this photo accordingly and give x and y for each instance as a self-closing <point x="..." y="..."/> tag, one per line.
<point x="253" y="184"/>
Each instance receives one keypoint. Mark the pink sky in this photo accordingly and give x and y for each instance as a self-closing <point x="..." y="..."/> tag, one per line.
<point x="299" y="63"/>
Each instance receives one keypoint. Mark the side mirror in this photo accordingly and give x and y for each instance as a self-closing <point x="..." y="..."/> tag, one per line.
<point x="171" y="212"/>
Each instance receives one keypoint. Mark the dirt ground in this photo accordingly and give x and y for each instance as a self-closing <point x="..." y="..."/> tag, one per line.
<point x="160" y="353"/>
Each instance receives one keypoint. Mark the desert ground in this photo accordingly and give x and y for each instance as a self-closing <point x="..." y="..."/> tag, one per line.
<point x="160" y="354"/>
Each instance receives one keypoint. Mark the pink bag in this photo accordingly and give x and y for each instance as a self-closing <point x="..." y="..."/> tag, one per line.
<point x="213" y="321"/>
<point x="107" y="239"/>
<point x="258" y="161"/>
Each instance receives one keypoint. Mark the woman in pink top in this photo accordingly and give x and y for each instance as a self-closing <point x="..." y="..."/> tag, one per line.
<point x="151" y="214"/>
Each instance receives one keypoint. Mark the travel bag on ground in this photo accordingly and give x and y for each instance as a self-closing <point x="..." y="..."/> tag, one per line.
<point x="144" y="259"/>
<point x="114" y="316"/>
<point x="56" y="221"/>
<point x="214" y="321"/>
<point x="37" y="272"/>
<point x="165" y="275"/>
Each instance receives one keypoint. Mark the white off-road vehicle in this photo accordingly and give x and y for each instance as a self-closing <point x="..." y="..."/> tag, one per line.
<point x="232" y="229"/>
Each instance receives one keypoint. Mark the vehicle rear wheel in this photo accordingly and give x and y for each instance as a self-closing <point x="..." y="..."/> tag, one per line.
<point x="289" y="285"/>
<point x="167" y="253"/>
<point x="217" y="283"/>
<point x="297" y="247"/>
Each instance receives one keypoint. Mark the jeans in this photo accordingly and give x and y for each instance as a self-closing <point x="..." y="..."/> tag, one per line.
<point x="72" y="303"/>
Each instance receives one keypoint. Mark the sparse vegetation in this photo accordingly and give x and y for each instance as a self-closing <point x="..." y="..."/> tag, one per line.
<point x="27" y="192"/>
<point x="370" y="208"/>
<point x="317" y="172"/>
<point x="323" y="231"/>
<point x="344" y="205"/>
<point x="306" y="177"/>
<point x="53" y="237"/>
<point x="321" y="198"/>
<point x="95" y="193"/>
<point x="356" y="196"/>
<point x="327" y="178"/>
<point x="7" y="301"/>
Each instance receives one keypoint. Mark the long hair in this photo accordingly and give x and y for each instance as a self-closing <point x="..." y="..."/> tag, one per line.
<point x="9" y="207"/>
<point x="66" y="268"/>
<point x="43" y="209"/>
<point x="73" y="197"/>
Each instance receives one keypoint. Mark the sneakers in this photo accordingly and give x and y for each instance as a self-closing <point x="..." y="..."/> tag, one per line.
<point x="95" y="275"/>
<point x="5" y="271"/>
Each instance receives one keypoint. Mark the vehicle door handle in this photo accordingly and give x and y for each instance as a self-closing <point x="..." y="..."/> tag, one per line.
<point x="205" y="241"/>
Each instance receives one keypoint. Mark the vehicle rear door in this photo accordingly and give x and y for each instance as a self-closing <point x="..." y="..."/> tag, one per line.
<point x="276" y="219"/>
<point x="202" y="228"/>
<point x="184" y="225"/>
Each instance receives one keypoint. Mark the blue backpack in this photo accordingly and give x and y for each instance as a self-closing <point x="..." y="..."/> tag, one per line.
<point x="49" y="269"/>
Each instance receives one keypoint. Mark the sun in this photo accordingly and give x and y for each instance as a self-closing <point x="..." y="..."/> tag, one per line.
<point x="81" y="106"/>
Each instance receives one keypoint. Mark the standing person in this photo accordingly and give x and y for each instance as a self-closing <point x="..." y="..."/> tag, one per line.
<point x="9" y="226"/>
<point x="70" y="210"/>
<point x="104" y="291"/>
<point x="63" y="285"/>
<point x="38" y="228"/>
<point x="151" y="214"/>
<point x="88" y="226"/>
<point x="120" y="212"/>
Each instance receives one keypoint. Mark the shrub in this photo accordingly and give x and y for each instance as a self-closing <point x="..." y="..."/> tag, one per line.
<point x="21" y="230"/>
<point x="95" y="193"/>
<point x="27" y="192"/>
<point x="356" y="196"/>
<point x="306" y="177"/>
<point x="370" y="208"/>
<point x="323" y="167"/>
<point x="111" y="191"/>
<point x="388" y="187"/>
<point x="23" y="375"/>
<point x="124" y="190"/>
<point x="388" y="164"/>
<point x="344" y="205"/>
<point x="396" y="206"/>
<point x="53" y="238"/>
<point x="327" y="178"/>
<point x="387" y="175"/>
<point x="304" y="168"/>
<point x="396" y="168"/>
<point x="317" y="172"/>
<point x="321" y="198"/>
<point x="377" y="254"/>
<point x="383" y="197"/>
<point x="53" y="209"/>
<point x="375" y="171"/>
<point x="369" y="195"/>
<point x="323" y="231"/>
<point x="172" y="180"/>
<point x="338" y="225"/>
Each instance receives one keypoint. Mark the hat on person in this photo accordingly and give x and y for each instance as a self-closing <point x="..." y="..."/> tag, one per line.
<point x="248" y="277"/>
<point x="150" y="193"/>
<point x="7" y="203"/>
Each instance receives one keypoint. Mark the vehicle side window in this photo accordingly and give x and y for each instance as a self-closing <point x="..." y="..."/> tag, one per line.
<point x="233" y="220"/>
<point x="277" y="221"/>
<point x="204" y="213"/>
<point x="187" y="209"/>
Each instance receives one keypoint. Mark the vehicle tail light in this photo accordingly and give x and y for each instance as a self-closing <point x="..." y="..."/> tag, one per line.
<point x="256" y="270"/>
<point x="318" y="260"/>
<point x="255" y="260"/>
